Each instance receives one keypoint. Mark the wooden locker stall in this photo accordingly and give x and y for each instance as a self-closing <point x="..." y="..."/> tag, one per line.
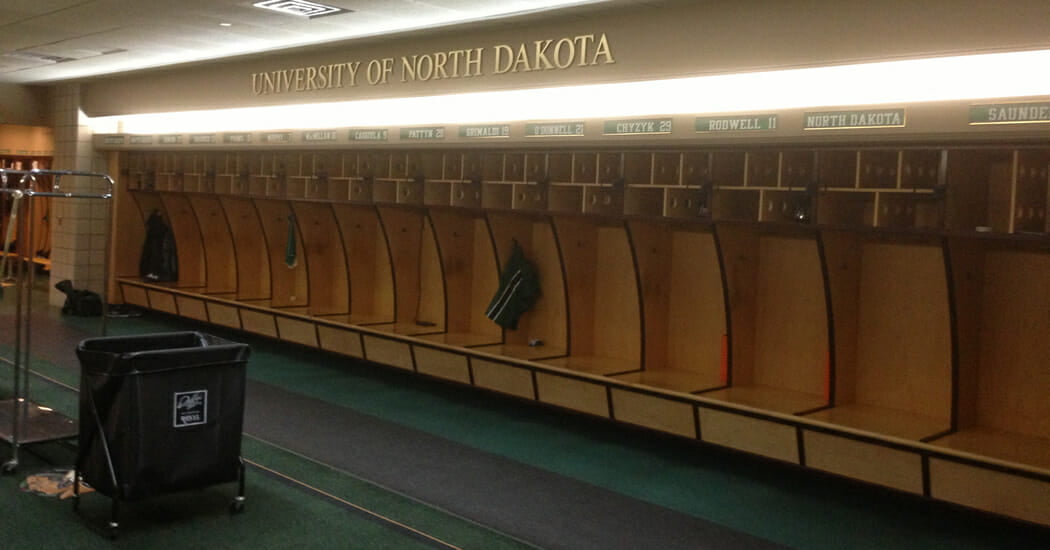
<point x="370" y="274"/>
<point x="289" y="284"/>
<point x="324" y="253"/>
<point x="251" y="253"/>
<point x="778" y="319"/>
<point x="419" y="289"/>
<point x="146" y="203"/>
<point x="470" y="277"/>
<point x="604" y="310"/>
<point x="893" y="334"/>
<point x="188" y="241"/>
<point x="542" y="331"/>
<point x="1003" y="293"/>
<point x="220" y="256"/>
<point x="128" y="217"/>
<point x="686" y="345"/>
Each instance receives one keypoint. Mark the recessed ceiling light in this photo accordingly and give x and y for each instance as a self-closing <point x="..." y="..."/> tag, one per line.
<point x="225" y="24"/>
<point x="302" y="8"/>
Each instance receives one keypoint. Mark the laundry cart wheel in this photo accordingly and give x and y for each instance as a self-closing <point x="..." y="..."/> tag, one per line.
<point x="237" y="505"/>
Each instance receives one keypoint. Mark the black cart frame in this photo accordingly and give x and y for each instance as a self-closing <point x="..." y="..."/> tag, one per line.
<point x="160" y="413"/>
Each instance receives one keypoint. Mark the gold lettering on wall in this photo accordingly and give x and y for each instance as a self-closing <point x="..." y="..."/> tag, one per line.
<point x="549" y="54"/>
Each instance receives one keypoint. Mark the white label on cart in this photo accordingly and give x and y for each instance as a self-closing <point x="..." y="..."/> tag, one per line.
<point x="191" y="408"/>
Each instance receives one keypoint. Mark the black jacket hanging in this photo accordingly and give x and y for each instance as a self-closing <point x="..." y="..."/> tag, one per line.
<point x="159" y="262"/>
<point x="519" y="288"/>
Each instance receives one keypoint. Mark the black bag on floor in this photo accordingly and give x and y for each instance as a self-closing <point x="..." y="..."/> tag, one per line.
<point x="81" y="303"/>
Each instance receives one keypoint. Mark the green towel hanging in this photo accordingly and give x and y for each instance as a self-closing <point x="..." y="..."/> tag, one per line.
<point x="291" y="254"/>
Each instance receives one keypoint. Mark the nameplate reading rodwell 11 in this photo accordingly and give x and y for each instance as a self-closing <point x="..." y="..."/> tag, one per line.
<point x="554" y="129"/>
<point x="736" y="123"/>
<point x="486" y="131"/>
<point x="369" y="134"/>
<point x="635" y="127"/>
<point x="423" y="134"/>
<point x="876" y="118"/>
<point x="1010" y="113"/>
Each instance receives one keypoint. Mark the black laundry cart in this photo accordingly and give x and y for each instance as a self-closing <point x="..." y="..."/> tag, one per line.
<point x="160" y="413"/>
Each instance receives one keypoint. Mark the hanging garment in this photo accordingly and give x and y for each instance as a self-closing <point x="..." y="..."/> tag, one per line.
<point x="160" y="262"/>
<point x="291" y="254"/>
<point x="9" y="238"/>
<point x="519" y="288"/>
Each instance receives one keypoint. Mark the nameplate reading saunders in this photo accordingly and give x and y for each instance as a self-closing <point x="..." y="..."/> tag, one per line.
<point x="173" y="139"/>
<point x="202" y="139"/>
<point x="374" y="134"/>
<point x="237" y="138"/>
<point x="141" y="140"/>
<point x="423" y="134"/>
<point x="1010" y="113"/>
<point x="489" y="131"/>
<point x="636" y="127"/>
<point x="554" y="129"/>
<point x="876" y="118"/>
<point x="736" y="123"/>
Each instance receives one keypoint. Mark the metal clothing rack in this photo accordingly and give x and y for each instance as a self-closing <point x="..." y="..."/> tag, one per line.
<point x="23" y="422"/>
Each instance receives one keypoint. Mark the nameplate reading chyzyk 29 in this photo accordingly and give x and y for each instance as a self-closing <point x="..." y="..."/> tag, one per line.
<point x="634" y="127"/>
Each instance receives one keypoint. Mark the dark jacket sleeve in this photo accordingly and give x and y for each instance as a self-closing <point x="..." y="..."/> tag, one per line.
<point x="519" y="288"/>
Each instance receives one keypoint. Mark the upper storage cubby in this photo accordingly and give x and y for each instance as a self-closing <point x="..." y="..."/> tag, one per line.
<point x="998" y="190"/>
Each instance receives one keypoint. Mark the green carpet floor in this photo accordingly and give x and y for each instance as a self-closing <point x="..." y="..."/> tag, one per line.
<point x="791" y="506"/>
<point x="292" y="501"/>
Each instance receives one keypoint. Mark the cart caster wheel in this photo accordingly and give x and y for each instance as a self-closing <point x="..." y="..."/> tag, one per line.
<point x="112" y="529"/>
<point x="9" y="466"/>
<point x="237" y="505"/>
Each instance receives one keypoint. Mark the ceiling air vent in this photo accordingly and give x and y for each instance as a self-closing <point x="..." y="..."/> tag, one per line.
<point x="302" y="8"/>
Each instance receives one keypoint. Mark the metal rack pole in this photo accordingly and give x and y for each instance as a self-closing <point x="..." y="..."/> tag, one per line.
<point x="15" y="222"/>
<point x="50" y="425"/>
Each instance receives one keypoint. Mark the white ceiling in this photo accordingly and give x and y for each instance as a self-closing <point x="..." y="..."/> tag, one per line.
<point x="49" y="40"/>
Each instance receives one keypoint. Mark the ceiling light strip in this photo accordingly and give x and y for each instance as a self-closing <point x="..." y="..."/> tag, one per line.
<point x="1003" y="75"/>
